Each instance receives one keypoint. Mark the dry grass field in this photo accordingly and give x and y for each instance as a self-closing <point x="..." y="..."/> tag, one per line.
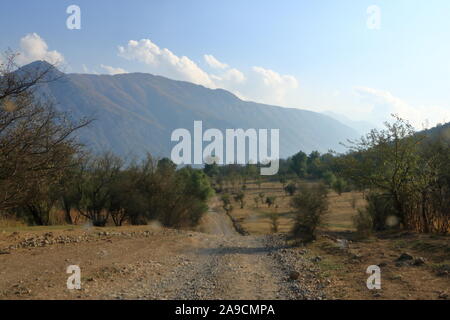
<point x="343" y="259"/>
<point x="255" y="218"/>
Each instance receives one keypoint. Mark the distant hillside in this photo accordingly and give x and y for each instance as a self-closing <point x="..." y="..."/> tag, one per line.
<point x="440" y="131"/>
<point x="136" y="113"/>
<point x="363" y="127"/>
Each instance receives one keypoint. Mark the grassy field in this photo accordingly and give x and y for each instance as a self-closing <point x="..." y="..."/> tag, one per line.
<point x="255" y="218"/>
<point x="345" y="267"/>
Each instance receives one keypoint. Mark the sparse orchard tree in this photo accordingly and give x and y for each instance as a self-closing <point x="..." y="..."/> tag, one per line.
<point x="270" y="201"/>
<point x="311" y="205"/>
<point x="240" y="197"/>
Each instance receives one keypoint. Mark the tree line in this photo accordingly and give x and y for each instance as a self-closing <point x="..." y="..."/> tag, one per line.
<point x="403" y="174"/>
<point x="44" y="168"/>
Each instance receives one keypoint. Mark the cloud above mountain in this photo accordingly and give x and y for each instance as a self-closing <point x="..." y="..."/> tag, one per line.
<point x="214" y="63"/>
<point x="164" y="62"/>
<point x="258" y="83"/>
<point x="383" y="103"/>
<point x="33" y="47"/>
<point x="112" y="71"/>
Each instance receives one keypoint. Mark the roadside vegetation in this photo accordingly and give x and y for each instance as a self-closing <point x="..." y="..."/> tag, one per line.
<point x="403" y="176"/>
<point x="46" y="173"/>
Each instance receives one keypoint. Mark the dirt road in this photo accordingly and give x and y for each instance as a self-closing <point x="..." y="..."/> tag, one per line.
<point x="155" y="263"/>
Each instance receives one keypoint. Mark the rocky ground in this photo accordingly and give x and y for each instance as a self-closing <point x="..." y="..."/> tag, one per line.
<point x="156" y="263"/>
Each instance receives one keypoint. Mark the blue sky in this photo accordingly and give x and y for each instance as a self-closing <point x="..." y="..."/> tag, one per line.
<point x="318" y="55"/>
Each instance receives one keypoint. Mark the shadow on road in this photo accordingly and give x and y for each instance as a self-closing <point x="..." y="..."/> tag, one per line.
<point x="241" y="250"/>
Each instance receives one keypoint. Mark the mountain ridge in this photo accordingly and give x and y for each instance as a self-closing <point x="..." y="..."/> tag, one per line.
<point x="136" y="112"/>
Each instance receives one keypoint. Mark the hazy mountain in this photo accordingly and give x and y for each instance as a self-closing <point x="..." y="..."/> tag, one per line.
<point x="363" y="127"/>
<point x="137" y="112"/>
<point x="440" y="131"/>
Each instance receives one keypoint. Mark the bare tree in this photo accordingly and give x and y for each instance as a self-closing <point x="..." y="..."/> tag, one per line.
<point x="36" y="141"/>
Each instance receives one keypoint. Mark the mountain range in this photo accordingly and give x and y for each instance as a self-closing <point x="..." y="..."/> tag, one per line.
<point x="136" y="113"/>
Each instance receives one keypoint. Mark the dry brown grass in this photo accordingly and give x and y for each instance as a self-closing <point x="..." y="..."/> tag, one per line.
<point x="256" y="219"/>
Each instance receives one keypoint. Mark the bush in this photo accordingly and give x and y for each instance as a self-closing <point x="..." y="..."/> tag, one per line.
<point x="363" y="223"/>
<point x="95" y="187"/>
<point x="256" y="200"/>
<point x="274" y="220"/>
<point x="340" y="186"/>
<point x="270" y="201"/>
<point x="291" y="188"/>
<point x="329" y="178"/>
<point x="240" y="197"/>
<point x="311" y="205"/>
<point x="380" y="208"/>
<point x="226" y="203"/>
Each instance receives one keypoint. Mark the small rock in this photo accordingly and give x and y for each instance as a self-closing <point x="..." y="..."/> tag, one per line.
<point x="294" y="275"/>
<point x="396" y="277"/>
<point x="377" y="294"/>
<point x="342" y="243"/>
<point x="356" y="256"/>
<point x="401" y="264"/>
<point x="405" y="257"/>
<point x="443" y="295"/>
<point x="382" y="264"/>
<point x="443" y="273"/>
<point x="419" y="261"/>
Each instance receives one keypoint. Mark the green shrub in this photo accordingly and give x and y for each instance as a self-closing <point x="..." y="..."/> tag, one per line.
<point x="311" y="205"/>
<point x="291" y="188"/>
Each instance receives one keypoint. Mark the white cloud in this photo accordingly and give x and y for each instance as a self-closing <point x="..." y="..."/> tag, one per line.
<point x="234" y="75"/>
<point x="214" y="63"/>
<point x="273" y="87"/>
<point x="33" y="47"/>
<point x="258" y="84"/>
<point x="112" y="70"/>
<point x="383" y="104"/>
<point x="164" y="62"/>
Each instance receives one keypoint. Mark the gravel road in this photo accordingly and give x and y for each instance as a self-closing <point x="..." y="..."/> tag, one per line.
<point x="216" y="263"/>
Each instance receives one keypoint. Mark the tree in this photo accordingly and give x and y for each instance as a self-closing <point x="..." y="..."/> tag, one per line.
<point x="36" y="141"/>
<point x="256" y="200"/>
<point x="299" y="164"/>
<point x="95" y="187"/>
<point x="211" y="170"/>
<point x="261" y="195"/>
<point x="36" y="208"/>
<point x="339" y="185"/>
<point x="283" y="180"/>
<point x="329" y="178"/>
<point x="270" y="201"/>
<point x="274" y="220"/>
<point x="314" y="165"/>
<point x="68" y="191"/>
<point x="240" y="197"/>
<point x="291" y="188"/>
<point x="387" y="161"/>
<point x="311" y="205"/>
<point x="226" y="203"/>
